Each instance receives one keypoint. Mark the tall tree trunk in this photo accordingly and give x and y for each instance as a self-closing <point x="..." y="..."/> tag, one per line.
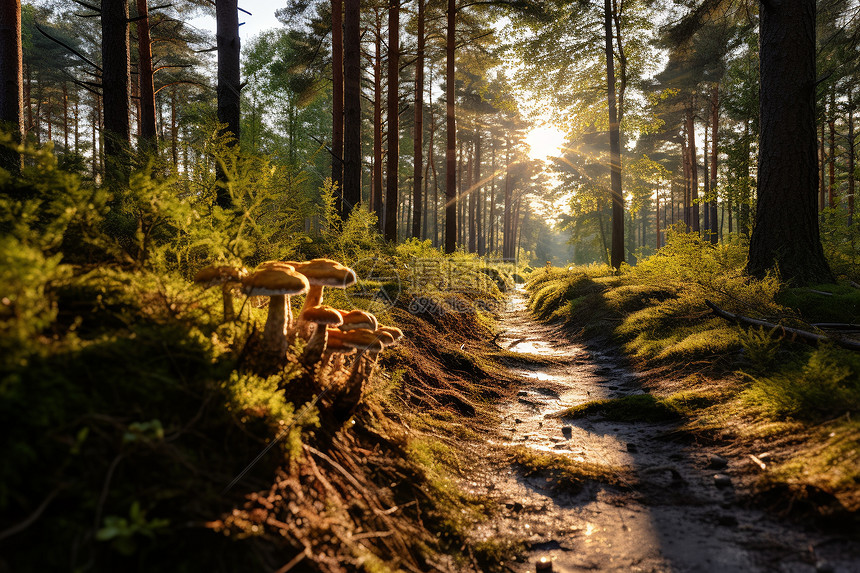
<point x="174" y="131"/>
<point x="451" y="148"/>
<point x="11" y="81"/>
<point x="418" y="135"/>
<point x="657" y="217"/>
<point x="77" y="121"/>
<point x="115" y="94"/>
<point x="145" y="80"/>
<point x="229" y="109"/>
<point x="685" y="158"/>
<point x="832" y="166"/>
<point x="493" y="225"/>
<point x="337" y="100"/>
<point x="479" y="215"/>
<point x="694" y="171"/>
<point x="376" y="178"/>
<point x="392" y="171"/>
<point x="506" y="238"/>
<point x="614" y="146"/>
<point x="745" y="199"/>
<point x="851" y="158"/>
<point x="715" y="121"/>
<point x="28" y="101"/>
<point x="351" y="106"/>
<point x="706" y="183"/>
<point x="822" y="157"/>
<point x="473" y="203"/>
<point x="786" y="228"/>
<point x="461" y="230"/>
<point x="65" y="117"/>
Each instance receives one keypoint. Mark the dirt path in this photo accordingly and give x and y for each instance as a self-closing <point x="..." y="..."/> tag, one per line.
<point x="667" y="514"/>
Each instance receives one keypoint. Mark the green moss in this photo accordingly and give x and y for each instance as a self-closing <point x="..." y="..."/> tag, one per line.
<point x="568" y="473"/>
<point x="645" y="407"/>
<point x="842" y="306"/>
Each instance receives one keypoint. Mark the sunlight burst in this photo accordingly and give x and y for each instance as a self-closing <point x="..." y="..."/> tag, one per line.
<point x="545" y="141"/>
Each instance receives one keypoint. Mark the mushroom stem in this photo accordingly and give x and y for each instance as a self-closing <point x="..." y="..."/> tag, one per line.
<point x="274" y="333"/>
<point x="227" y="297"/>
<point x="316" y="346"/>
<point x="312" y="299"/>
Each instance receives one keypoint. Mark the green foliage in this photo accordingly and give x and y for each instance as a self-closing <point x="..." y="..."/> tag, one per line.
<point x="814" y="305"/>
<point x="760" y="347"/>
<point x="824" y="383"/>
<point x="121" y="531"/>
<point x="645" y="407"/>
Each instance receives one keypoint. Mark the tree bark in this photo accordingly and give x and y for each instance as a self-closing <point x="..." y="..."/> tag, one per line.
<point x="392" y="171"/>
<point x="228" y="45"/>
<point x="376" y="179"/>
<point x="450" y="152"/>
<point x="706" y="183"/>
<point x="11" y="82"/>
<point x="831" y="122"/>
<point x="786" y="234"/>
<point x="115" y="95"/>
<point x="851" y="159"/>
<point x="507" y="217"/>
<point x="145" y="80"/>
<point x="337" y="100"/>
<point x="418" y="135"/>
<point x="822" y="157"/>
<point x="694" y="171"/>
<point x="715" y="122"/>
<point x="351" y="106"/>
<point x="479" y="215"/>
<point x="617" y="256"/>
<point x="473" y="203"/>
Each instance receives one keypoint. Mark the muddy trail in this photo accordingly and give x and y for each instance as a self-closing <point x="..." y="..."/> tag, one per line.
<point x="670" y="504"/>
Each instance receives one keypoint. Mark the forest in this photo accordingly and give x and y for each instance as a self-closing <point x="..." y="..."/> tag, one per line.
<point x="425" y="285"/>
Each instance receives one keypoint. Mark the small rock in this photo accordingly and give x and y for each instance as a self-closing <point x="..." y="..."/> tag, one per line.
<point x="716" y="462"/>
<point x="727" y="520"/>
<point x="722" y="480"/>
<point x="824" y="567"/>
<point x="567" y="431"/>
<point x="632" y="448"/>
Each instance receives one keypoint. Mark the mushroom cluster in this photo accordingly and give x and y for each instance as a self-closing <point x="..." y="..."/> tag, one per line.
<point x="348" y="343"/>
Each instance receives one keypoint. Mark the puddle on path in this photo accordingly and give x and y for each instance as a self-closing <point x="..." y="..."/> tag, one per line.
<point x="672" y="518"/>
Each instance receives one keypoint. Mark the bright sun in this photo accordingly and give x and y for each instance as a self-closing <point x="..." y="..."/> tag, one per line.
<point x="545" y="141"/>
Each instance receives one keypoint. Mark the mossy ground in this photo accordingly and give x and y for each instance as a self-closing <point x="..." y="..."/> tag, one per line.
<point x="715" y="378"/>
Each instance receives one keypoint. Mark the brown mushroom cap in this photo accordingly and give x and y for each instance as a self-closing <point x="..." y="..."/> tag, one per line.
<point x="327" y="273"/>
<point x="291" y="265"/>
<point x="219" y="274"/>
<point x="384" y="337"/>
<point x="358" y="319"/>
<point x="395" y="332"/>
<point x="362" y="339"/>
<point x="324" y="314"/>
<point x="274" y="282"/>
<point x="335" y="343"/>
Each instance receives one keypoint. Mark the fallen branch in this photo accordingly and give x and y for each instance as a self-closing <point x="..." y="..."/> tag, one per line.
<point x="835" y="326"/>
<point x="785" y="330"/>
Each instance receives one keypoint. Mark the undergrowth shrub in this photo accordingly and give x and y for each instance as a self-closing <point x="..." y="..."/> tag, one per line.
<point x="824" y="383"/>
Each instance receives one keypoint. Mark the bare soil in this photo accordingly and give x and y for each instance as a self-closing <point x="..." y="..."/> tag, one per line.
<point x="663" y="509"/>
